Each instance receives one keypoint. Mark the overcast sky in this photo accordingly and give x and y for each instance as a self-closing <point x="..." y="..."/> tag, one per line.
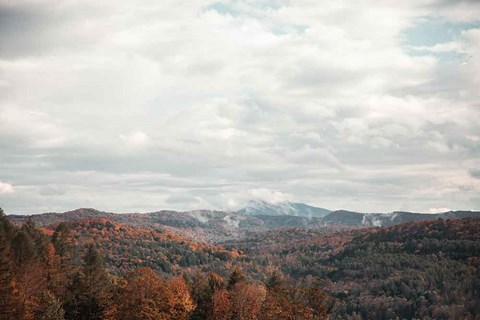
<point x="133" y="106"/>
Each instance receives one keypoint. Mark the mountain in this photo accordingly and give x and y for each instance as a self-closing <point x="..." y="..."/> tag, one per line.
<point x="358" y="219"/>
<point x="200" y="225"/>
<point x="218" y="226"/>
<point x="262" y="208"/>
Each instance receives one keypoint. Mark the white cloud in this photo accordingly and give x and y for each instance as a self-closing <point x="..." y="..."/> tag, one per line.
<point x="135" y="139"/>
<point x="5" y="188"/>
<point x="442" y="47"/>
<point x="181" y="105"/>
<point x="438" y="210"/>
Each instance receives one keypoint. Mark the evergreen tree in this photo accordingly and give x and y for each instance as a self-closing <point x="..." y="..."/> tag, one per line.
<point x="6" y="227"/>
<point x="39" y="238"/>
<point x="90" y="289"/>
<point x="7" y="289"/>
<point x="62" y="243"/>
<point x="23" y="248"/>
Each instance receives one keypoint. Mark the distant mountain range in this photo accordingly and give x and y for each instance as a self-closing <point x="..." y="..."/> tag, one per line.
<point x="215" y="226"/>
<point x="200" y="225"/>
<point x="351" y="218"/>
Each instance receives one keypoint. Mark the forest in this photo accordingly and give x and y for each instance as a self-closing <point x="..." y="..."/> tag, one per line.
<point x="46" y="276"/>
<point x="96" y="268"/>
<point x="416" y="270"/>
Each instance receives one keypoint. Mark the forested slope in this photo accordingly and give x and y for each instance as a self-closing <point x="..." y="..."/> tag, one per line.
<point x="125" y="247"/>
<point x="60" y="274"/>
<point x="422" y="270"/>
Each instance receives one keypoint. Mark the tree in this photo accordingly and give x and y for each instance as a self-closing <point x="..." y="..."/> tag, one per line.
<point x="63" y="244"/>
<point x="145" y="296"/>
<point x="56" y="278"/>
<point x="318" y="300"/>
<point x="23" y="248"/>
<point x="29" y="274"/>
<point x="6" y="227"/>
<point x="49" y="308"/>
<point x="221" y="305"/>
<point x="275" y="281"/>
<point x="247" y="299"/>
<point x="203" y="290"/>
<point x="30" y="283"/>
<point x="236" y="276"/>
<point x="7" y="283"/>
<point x="40" y="240"/>
<point x="90" y="289"/>
<point x="182" y="303"/>
<point x="281" y="302"/>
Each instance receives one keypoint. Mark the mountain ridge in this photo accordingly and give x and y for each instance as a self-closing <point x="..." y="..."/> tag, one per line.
<point x="217" y="226"/>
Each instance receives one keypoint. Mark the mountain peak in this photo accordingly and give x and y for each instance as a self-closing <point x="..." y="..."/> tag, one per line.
<point x="284" y="208"/>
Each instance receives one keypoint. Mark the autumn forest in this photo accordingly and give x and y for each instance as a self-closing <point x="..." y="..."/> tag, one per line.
<point x="95" y="268"/>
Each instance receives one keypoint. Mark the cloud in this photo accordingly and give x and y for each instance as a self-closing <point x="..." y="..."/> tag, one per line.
<point x="438" y="210"/>
<point x="475" y="173"/>
<point x="52" y="190"/>
<point x="131" y="107"/>
<point x="135" y="139"/>
<point x="5" y="188"/>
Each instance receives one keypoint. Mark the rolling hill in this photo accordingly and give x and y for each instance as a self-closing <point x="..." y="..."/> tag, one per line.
<point x="416" y="270"/>
<point x="218" y="226"/>
<point x="125" y="247"/>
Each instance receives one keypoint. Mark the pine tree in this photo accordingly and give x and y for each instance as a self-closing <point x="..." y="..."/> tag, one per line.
<point x="7" y="230"/>
<point x="23" y="248"/>
<point x="62" y="243"/>
<point x="7" y="288"/>
<point x="90" y="289"/>
<point x="39" y="238"/>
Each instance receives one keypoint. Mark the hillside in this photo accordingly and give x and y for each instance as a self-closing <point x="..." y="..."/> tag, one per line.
<point x="59" y="273"/>
<point x="351" y="218"/>
<point x="296" y="251"/>
<point x="125" y="248"/>
<point x="417" y="270"/>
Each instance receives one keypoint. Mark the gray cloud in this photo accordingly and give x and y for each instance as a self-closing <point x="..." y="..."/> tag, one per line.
<point x="130" y="107"/>
<point x="475" y="173"/>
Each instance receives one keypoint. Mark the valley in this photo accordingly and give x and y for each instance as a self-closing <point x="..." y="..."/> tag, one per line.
<point x="413" y="266"/>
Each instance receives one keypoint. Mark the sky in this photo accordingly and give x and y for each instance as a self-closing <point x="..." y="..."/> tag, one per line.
<point x="137" y="106"/>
